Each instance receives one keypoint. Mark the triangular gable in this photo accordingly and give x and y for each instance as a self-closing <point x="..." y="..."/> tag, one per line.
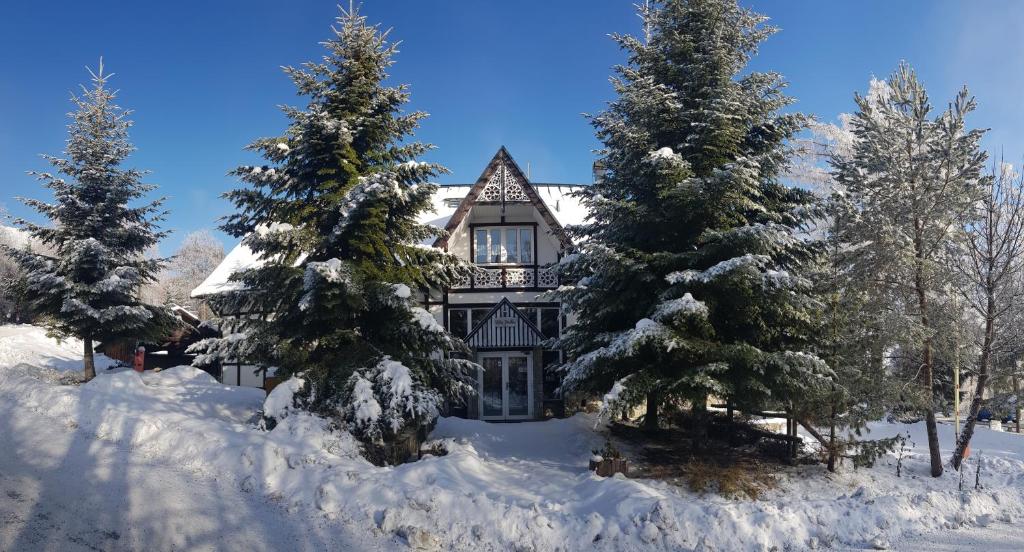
<point x="503" y="182"/>
<point x="504" y="327"/>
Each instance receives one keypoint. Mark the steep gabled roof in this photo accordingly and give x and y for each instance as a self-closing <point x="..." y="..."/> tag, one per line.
<point x="503" y="182"/>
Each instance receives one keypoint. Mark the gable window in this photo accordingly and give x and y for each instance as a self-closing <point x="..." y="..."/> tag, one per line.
<point x="503" y="245"/>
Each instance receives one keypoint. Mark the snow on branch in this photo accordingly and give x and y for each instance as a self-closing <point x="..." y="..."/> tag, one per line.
<point x="718" y="270"/>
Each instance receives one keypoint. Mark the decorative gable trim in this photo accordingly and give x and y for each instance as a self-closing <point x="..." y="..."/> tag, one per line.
<point x="503" y="182"/>
<point x="504" y="187"/>
<point x="504" y="327"/>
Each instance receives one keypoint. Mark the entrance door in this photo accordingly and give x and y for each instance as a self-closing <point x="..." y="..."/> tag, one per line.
<point x="506" y="386"/>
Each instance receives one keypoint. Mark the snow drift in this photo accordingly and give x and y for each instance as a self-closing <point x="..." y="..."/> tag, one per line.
<point x="507" y="486"/>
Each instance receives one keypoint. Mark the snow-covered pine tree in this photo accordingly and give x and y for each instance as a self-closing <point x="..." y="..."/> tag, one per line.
<point x="911" y="178"/>
<point x="334" y="214"/>
<point x="86" y="281"/>
<point x="690" y="279"/>
<point x="852" y="337"/>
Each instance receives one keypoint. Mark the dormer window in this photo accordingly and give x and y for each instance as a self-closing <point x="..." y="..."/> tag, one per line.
<point x="453" y="202"/>
<point x="503" y="245"/>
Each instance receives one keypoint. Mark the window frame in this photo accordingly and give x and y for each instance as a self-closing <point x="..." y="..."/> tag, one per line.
<point x="484" y="252"/>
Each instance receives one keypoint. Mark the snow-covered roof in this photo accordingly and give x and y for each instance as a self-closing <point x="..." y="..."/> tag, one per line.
<point x="240" y="258"/>
<point x="566" y="208"/>
<point x="559" y="199"/>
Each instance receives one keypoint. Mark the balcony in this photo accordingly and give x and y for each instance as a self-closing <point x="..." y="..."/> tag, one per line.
<point x="510" y="277"/>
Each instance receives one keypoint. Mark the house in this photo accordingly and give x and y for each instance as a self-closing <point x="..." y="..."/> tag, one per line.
<point x="167" y="352"/>
<point x="513" y="232"/>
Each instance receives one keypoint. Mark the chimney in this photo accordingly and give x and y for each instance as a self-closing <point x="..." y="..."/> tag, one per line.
<point x="599" y="171"/>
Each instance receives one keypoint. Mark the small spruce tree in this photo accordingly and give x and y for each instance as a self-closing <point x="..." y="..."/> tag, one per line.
<point x="334" y="215"/>
<point x="86" y="280"/>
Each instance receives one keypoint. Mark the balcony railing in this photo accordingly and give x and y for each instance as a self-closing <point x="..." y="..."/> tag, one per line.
<point x="510" y="277"/>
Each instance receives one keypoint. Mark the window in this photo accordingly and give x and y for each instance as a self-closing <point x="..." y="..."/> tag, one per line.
<point x="504" y="244"/>
<point x="546" y="319"/>
<point x="496" y="255"/>
<point x="549" y="323"/>
<point x="511" y="244"/>
<point x="480" y="244"/>
<point x="552" y="376"/>
<point x="462" y="321"/>
<point x="458" y="322"/>
<point x="526" y="250"/>
<point x="477" y="316"/>
<point x="531" y="314"/>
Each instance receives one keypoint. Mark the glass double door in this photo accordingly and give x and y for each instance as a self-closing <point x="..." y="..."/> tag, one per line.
<point x="506" y="385"/>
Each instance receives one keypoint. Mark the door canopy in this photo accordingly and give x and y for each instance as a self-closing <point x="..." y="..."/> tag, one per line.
<point x="505" y="327"/>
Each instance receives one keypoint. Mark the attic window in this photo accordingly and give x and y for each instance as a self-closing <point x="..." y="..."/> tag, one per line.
<point x="503" y="245"/>
<point x="452" y="202"/>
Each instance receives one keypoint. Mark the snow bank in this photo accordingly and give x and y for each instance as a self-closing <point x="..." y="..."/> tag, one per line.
<point x="25" y="344"/>
<point x="179" y="375"/>
<point x="514" y="486"/>
<point x="281" y="400"/>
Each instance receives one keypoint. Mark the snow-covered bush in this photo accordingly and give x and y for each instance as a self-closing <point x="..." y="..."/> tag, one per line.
<point x="290" y="395"/>
<point x="380" y="402"/>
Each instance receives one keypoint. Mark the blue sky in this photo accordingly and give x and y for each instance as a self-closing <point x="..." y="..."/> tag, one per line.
<point x="204" y="78"/>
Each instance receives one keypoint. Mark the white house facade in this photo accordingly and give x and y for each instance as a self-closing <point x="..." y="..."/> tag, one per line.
<point x="512" y="231"/>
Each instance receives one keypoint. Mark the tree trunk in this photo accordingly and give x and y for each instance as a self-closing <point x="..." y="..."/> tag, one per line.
<point x="89" y="368"/>
<point x="731" y="414"/>
<point x="979" y="391"/>
<point x="926" y="360"/>
<point x="832" y="452"/>
<point x="1016" y="393"/>
<point x="929" y="419"/>
<point x="651" y="418"/>
<point x="700" y="427"/>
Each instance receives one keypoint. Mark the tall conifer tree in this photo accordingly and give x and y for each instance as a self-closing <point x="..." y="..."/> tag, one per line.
<point x="912" y="178"/>
<point x="689" y="282"/>
<point x="87" y="282"/>
<point x="333" y="212"/>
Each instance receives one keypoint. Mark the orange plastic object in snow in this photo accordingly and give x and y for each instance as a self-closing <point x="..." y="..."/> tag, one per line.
<point x="140" y="359"/>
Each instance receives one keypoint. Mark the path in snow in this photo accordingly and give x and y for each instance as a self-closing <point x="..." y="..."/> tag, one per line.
<point x="62" y="490"/>
<point x="998" y="537"/>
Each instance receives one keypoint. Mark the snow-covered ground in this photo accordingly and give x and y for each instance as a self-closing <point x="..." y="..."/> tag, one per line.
<point x="80" y="467"/>
<point x="176" y="461"/>
<point x="998" y="537"/>
<point x="24" y="344"/>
